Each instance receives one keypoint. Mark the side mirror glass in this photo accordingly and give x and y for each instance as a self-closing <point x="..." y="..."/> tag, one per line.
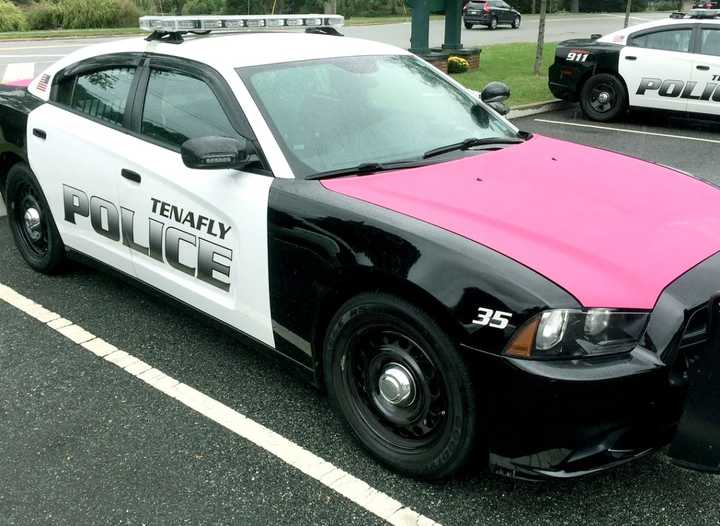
<point x="495" y="92"/>
<point x="216" y="153"/>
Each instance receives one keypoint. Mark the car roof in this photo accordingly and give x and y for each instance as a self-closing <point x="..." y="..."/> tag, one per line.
<point x="619" y="37"/>
<point x="235" y="50"/>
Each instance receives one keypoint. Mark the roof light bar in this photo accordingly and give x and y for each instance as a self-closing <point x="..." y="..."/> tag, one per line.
<point x="233" y="23"/>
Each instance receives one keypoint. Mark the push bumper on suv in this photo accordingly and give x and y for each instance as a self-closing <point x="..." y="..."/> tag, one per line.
<point x="560" y="419"/>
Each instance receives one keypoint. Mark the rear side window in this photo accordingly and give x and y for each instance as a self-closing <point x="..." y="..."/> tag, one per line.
<point x="179" y="107"/>
<point x="101" y="95"/>
<point x="670" y="40"/>
<point x="710" y="42"/>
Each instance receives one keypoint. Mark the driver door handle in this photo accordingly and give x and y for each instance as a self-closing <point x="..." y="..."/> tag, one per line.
<point x="130" y="175"/>
<point x="631" y="57"/>
<point x="703" y="68"/>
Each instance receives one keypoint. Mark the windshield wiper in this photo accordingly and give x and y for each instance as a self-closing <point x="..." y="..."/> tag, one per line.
<point x="470" y="143"/>
<point x="366" y="168"/>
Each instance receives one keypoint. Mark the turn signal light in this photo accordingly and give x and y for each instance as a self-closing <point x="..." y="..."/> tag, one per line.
<point x="521" y="346"/>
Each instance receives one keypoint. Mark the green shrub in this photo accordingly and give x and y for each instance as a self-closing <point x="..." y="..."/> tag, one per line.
<point x="89" y="14"/>
<point x="11" y="18"/>
<point x="457" y="65"/>
<point x="44" y="15"/>
<point x="203" y="7"/>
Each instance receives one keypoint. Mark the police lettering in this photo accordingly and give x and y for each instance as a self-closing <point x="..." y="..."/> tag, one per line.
<point x="119" y="225"/>
<point x="186" y="217"/>
<point x="679" y="88"/>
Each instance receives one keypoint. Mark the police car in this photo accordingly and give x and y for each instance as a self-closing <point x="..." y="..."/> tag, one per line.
<point x="460" y="288"/>
<point x="671" y="64"/>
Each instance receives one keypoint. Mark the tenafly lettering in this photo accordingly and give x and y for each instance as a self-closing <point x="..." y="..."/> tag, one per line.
<point x="120" y="227"/>
<point x="679" y="88"/>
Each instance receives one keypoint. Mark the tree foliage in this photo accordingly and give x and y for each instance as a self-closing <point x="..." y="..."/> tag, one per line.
<point x="11" y="17"/>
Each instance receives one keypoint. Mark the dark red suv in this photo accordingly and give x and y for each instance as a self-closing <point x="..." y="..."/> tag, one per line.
<point x="490" y="13"/>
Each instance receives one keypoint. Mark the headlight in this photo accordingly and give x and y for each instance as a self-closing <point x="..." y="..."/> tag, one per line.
<point x="565" y="333"/>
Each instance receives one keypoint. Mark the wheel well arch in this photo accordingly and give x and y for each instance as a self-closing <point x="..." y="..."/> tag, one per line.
<point x="7" y="161"/>
<point x="356" y="283"/>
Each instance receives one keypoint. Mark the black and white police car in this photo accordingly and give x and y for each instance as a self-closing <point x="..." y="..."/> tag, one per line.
<point x="671" y="64"/>
<point x="350" y="207"/>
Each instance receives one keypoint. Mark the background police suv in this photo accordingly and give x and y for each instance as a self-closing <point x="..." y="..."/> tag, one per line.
<point x="671" y="64"/>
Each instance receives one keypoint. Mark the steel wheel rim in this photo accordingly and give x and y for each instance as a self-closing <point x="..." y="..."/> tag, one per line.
<point x="29" y="220"/>
<point x="417" y="420"/>
<point x="603" y="97"/>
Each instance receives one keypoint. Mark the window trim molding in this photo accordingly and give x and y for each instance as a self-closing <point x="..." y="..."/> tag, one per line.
<point x="692" y="28"/>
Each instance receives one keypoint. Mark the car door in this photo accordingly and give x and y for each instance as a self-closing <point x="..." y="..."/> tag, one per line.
<point x="76" y="148"/>
<point x="198" y="235"/>
<point x="506" y="13"/>
<point x="656" y="65"/>
<point x="705" y="97"/>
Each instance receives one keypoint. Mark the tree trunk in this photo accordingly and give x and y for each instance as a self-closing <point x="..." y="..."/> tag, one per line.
<point x="541" y="38"/>
<point x="575" y="6"/>
<point x="532" y="7"/>
<point x="331" y="7"/>
<point x="686" y="5"/>
<point x="628" y="8"/>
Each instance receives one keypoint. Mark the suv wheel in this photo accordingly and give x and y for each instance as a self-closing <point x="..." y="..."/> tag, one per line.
<point x="603" y="97"/>
<point x="493" y="23"/>
<point x="401" y="385"/>
<point x="516" y="22"/>
<point x="33" y="228"/>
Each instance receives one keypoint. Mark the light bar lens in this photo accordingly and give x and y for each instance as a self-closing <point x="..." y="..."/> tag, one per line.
<point x="233" y="23"/>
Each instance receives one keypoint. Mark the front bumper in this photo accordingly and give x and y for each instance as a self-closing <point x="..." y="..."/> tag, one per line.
<point x="568" y="419"/>
<point x="564" y="419"/>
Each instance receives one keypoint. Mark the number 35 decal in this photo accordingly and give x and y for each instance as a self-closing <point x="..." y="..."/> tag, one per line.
<point x="492" y="318"/>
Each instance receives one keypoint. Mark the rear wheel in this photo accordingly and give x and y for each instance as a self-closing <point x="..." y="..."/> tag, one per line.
<point x="468" y="25"/>
<point x="493" y="23"/>
<point x="34" y="232"/>
<point x="603" y="97"/>
<point x="516" y="22"/>
<point x="401" y="386"/>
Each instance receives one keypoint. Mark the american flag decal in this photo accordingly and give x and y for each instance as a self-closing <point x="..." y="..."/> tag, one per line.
<point x="43" y="82"/>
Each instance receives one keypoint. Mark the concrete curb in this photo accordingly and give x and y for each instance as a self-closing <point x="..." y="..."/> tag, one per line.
<point x="538" y="107"/>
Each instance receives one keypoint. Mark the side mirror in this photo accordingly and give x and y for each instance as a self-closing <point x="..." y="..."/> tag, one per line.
<point x="499" y="107"/>
<point x="495" y="92"/>
<point x="216" y="153"/>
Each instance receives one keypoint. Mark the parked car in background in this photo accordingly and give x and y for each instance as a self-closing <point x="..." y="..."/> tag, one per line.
<point x="490" y="13"/>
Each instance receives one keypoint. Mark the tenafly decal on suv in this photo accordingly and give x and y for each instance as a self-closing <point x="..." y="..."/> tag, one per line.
<point x="120" y="227"/>
<point x="682" y="89"/>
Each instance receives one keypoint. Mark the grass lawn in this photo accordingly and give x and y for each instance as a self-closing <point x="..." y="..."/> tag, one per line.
<point x="512" y="64"/>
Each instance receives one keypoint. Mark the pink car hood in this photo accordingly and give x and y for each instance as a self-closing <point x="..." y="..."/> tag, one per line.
<point x="612" y="230"/>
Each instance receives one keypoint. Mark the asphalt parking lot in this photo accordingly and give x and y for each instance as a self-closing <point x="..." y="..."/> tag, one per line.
<point x="83" y="442"/>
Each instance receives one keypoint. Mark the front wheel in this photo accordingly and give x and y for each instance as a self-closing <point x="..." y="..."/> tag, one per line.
<point x="516" y="22"/>
<point x="468" y="25"/>
<point x="399" y="382"/>
<point x="603" y="97"/>
<point x="493" y="23"/>
<point x="33" y="228"/>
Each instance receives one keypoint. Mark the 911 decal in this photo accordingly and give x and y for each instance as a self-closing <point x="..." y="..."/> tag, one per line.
<point x="680" y="88"/>
<point x="164" y="241"/>
<point x="492" y="318"/>
<point x="577" y="56"/>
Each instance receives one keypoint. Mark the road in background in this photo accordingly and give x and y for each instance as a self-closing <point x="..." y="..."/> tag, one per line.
<point x="40" y="53"/>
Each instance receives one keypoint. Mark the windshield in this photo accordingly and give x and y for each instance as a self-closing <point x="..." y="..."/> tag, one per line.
<point x="336" y="113"/>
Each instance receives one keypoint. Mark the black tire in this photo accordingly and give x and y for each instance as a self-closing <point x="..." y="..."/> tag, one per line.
<point x="493" y="23"/>
<point x="35" y="236"/>
<point x="468" y="25"/>
<point x="429" y="435"/>
<point x="603" y="97"/>
<point x="516" y="22"/>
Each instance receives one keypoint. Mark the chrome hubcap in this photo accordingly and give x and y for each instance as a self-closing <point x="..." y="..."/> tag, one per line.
<point x="603" y="97"/>
<point x="397" y="385"/>
<point x="32" y="223"/>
